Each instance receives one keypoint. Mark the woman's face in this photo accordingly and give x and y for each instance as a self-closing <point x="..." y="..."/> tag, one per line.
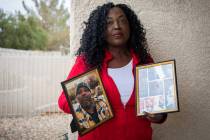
<point x="118" y="30"/>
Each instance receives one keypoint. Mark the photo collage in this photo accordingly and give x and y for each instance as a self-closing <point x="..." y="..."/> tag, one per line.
<point x="156" y="89"/>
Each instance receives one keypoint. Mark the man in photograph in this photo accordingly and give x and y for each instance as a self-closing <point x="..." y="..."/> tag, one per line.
<point x="91" y="110"/>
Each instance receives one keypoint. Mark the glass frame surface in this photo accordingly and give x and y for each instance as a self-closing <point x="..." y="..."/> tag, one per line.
<point x="104" y="111"/>
<point x="156" y="88"/>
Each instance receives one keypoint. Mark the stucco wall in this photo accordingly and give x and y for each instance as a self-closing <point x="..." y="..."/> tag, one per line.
<point x="176" y="29"/>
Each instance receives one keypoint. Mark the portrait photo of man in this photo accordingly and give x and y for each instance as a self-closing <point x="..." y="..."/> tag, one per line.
<point x="92" y="107"/>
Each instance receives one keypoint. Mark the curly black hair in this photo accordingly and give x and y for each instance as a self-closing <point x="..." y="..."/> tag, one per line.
<point x="93" y="39"/>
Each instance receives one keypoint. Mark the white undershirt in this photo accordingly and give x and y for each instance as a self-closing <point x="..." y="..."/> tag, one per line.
<point x="124" y="80"/>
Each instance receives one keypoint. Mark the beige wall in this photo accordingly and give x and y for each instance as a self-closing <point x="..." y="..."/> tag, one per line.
<point x="176" y="29"/>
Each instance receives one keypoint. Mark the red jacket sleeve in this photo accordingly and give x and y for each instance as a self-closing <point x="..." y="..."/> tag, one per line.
<point x="78" y="68"/>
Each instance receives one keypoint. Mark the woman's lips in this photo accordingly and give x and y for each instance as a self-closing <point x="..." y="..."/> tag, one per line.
<point x="117" y="35"/>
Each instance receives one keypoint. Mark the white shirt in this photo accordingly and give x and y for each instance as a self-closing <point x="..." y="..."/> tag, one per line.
<point x="124" y="80"/>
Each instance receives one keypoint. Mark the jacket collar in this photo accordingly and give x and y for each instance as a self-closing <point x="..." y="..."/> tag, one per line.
<point x="108" y="56"/>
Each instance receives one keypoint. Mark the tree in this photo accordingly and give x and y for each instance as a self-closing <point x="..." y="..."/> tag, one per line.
<point x="53" y="17"/>
<point x="19" y="32"/>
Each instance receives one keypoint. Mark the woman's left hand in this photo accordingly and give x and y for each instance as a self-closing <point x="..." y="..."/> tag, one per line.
<point x="156" y="118"/>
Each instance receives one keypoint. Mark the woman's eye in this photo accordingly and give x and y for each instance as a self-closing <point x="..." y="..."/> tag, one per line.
<point x="109" y="22"/>
<point x="123" y="20"/>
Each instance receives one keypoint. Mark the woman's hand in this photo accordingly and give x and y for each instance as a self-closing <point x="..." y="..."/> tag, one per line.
<point x="156" y="118"/>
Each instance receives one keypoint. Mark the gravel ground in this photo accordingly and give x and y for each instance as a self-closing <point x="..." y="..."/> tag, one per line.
<point x="43" y="127"/>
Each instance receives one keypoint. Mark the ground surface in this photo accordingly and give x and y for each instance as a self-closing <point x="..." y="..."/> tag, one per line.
<point x="41" y="127"/>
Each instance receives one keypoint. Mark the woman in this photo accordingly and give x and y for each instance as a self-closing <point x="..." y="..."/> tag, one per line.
<point x="114" y="39"/>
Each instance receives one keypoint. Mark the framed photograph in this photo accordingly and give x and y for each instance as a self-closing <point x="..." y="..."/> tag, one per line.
<point x="87" y="100"/>
<point x="156" y="88"/>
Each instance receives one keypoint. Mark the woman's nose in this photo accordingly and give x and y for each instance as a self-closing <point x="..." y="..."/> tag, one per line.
<point x="116" y="25"/>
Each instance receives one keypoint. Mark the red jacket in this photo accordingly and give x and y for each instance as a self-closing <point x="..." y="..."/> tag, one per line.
<point x="125" y="125"/>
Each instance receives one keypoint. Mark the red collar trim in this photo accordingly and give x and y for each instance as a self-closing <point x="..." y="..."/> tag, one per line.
<point x="108" y="56"/>
<point x="135" y="57"/>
